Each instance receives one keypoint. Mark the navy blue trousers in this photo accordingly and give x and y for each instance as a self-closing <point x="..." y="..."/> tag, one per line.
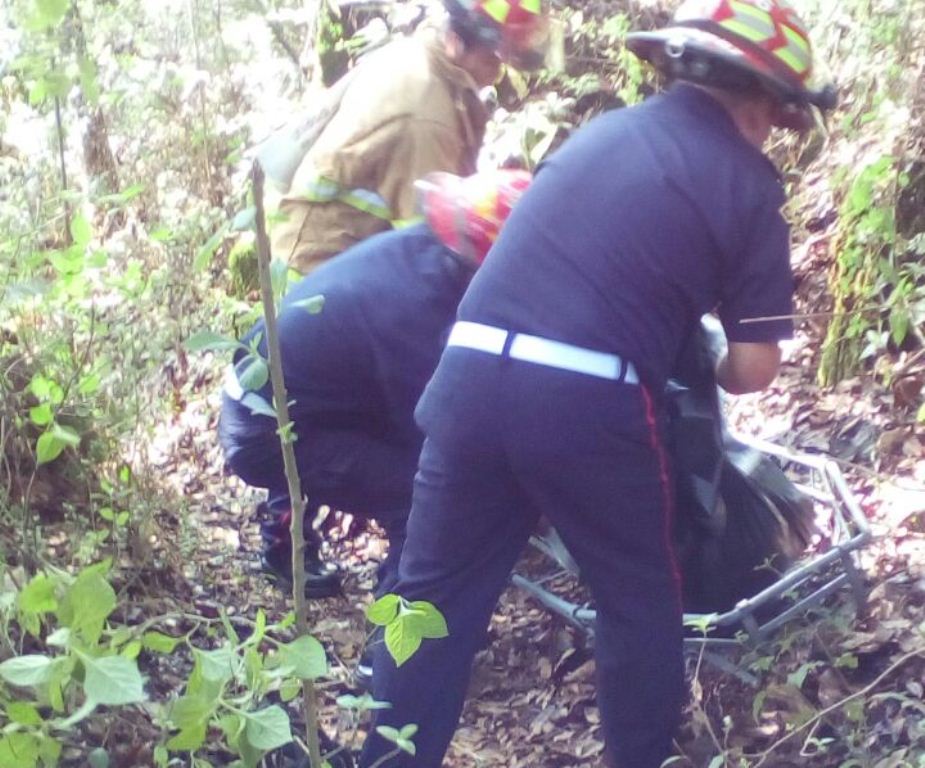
<point x="347" y="469"/>
<point x="508" y="441"/>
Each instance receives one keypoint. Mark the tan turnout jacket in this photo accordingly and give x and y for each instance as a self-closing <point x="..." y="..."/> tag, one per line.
<point x="407" y="111"/>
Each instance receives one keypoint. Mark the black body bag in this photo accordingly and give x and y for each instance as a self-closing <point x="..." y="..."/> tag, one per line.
<point x="740" y="522"/>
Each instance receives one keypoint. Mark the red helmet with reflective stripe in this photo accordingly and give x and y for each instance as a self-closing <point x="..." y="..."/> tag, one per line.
<point x="466" y="214"/>
<point x="518" y="30"/>
<point x="736" y="44"/>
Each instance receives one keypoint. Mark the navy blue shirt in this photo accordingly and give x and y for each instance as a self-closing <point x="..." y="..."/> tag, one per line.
<point x="643" y="221"/>
<point x="363" y="361"/>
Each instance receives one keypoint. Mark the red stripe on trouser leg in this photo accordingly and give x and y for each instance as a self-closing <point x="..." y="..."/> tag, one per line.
<point x="665" y="482"/>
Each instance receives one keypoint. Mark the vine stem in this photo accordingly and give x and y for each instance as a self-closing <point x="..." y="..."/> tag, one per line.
<point x="281" y="403"/>
<point x="815" y="719"/>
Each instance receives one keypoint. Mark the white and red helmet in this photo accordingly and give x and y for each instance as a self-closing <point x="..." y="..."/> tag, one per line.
<point x="735" y="44"/>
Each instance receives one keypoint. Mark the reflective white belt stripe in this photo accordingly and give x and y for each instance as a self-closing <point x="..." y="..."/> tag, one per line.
<point x="534" y="349"/>
<point x="232" y="387"/>
<point x="231" y="384"/>
<point x="477" y="336"/>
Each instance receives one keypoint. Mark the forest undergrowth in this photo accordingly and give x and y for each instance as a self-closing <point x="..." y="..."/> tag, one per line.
<point x="134" y="627"/>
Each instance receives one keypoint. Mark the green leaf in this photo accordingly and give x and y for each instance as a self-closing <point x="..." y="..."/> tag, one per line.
<point x="19" y="750"/>
<point x="81" y="230"/>
<point x="717" y="762"/>
<point x="98" y="758"/>
<point x="209" y="340"/>
<point x="48" y="448"/>
<point x="87" y="604"/>
<point x="384" y="610"/>
<point x="26" y="671"/>
<point x="191" y="710"/>
<point x="361" y="703"/>
<point x="188" y="739"/>
<point x="205" y="253"/>
<point x="219" y="665"/>
<point x="112" y="680"/>
<point x="50" y="12"/>
<point x="255" y="375"/>
<point x="279" y="277"/>
<point x="67" y="435"/>
<point x="313" y="304"/>
<point x="303" y="658"/>
<point x="159" y="642"/>
<point x="244" y="219"/>
<point x="88" y="79"/>
<point x="402" y="641"/>
<point x="268" y="728"/>
<point x="23" y="713"/>
<point x="427" y="619"/>
<point x="395" y="736"/>
<point x="89" y="384"/>
<point x="260" y="407"/>
<point x="290" y="688"/>
<point x="41" y="414"/>
<point x="38" y="596"/>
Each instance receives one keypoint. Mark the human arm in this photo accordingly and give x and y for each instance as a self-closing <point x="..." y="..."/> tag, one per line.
<point x="748" y="366"/>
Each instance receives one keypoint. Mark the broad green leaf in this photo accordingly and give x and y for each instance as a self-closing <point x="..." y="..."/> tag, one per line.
<point x="60" y="638"/>
<point x="87" y="604"/>
<point x="159" y="642"/>
<point x="407" y="731"/>
<point x="112" y="680"/>
<point x="303" y="658"/>
<point x="260" y="407"/>
<point x="290" y="688"/>
<point x="402" y="640"/>
<point x="131" y="650"/>
<point x="98" y="758"/>
<point x="188" y="739"/>
<point x="26" y="671"/>
<point x="48" y="448"/>
<point x="19" y="750"/>
<point x="89" y="384"/>
<point x="384" y="610"/>
<point x="38" y="596"/>
<point x="209" y="340"/>
<point x="67" y="435"/>
<point x="41" y="414"/>
<point x="268" y="728"/>
<point x="191" y="710"/>
<point x="50" y="12"/>
<point x="218" y="665"/>
<point x="427" y="619"/>
<point x="23" y="713"/>
<point x="395" y="736"/>
<point x="255" y="375"/>
<point x="81" y="230"/>
<point x="232" y="725"/>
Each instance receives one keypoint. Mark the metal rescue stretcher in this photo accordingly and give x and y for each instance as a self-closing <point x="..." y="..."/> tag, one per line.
<point x="827" y="565"/>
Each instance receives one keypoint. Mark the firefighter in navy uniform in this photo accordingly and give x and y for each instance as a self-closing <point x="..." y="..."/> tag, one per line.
<point x="547" y="398"/>
<point x="355" y="371"/>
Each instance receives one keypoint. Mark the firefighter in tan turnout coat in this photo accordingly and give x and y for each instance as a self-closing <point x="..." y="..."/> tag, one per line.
<point x="408" y="110"/>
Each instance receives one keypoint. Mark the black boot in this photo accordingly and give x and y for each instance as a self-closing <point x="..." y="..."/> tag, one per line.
<point x="321" y="579"/>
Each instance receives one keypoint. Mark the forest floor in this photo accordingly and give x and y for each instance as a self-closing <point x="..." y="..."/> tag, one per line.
<point x="531" y="699"/>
